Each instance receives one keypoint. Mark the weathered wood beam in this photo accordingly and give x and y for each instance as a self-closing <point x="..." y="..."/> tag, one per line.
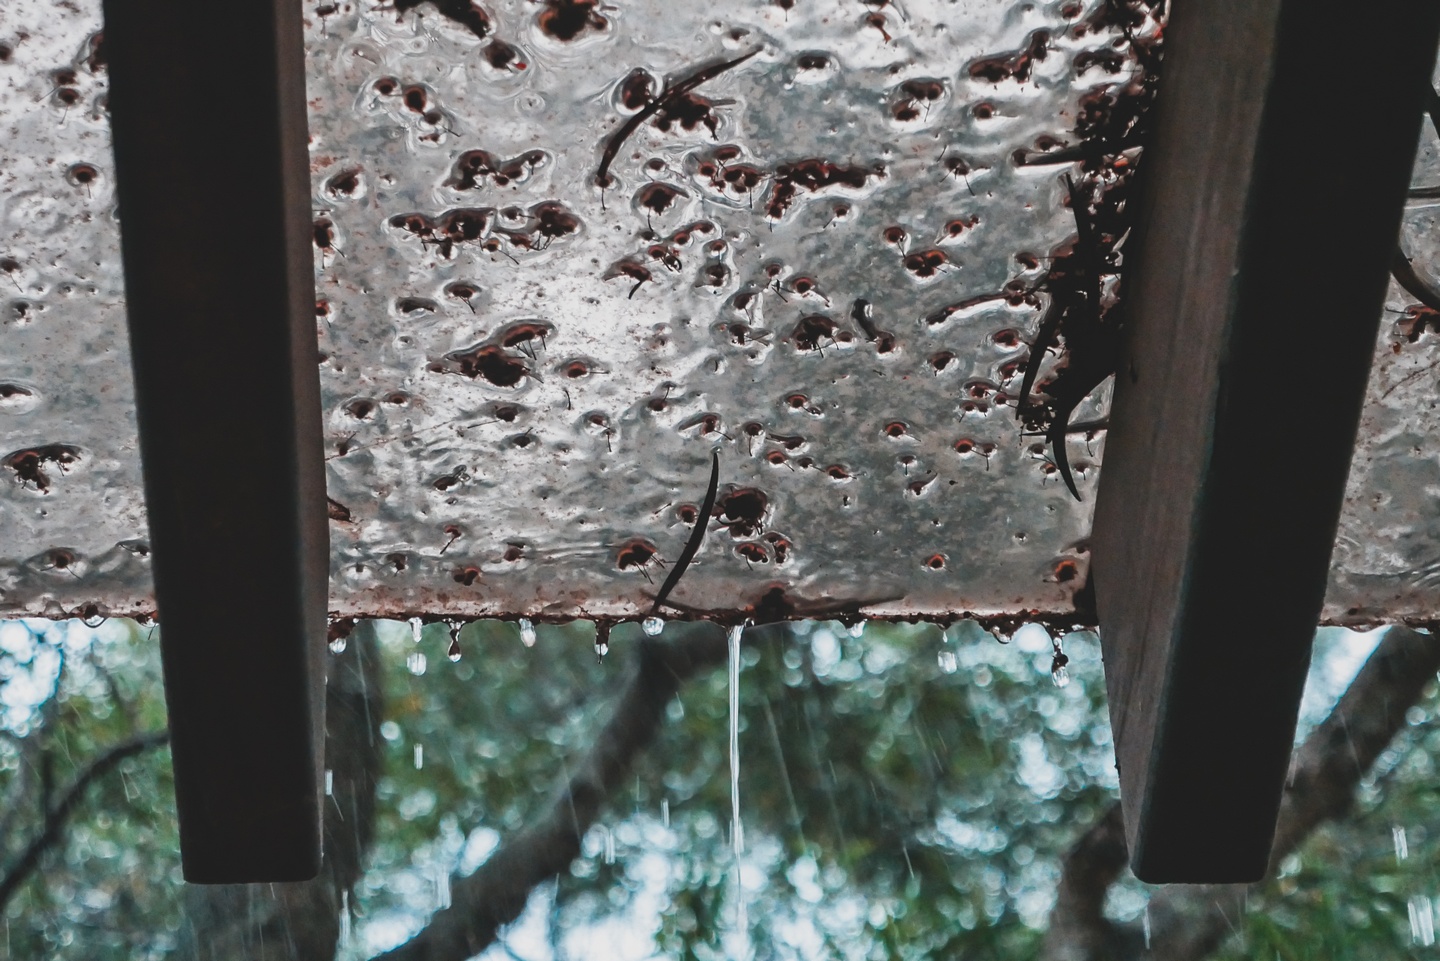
<point x="208" y="114"/>
<point x="1275" y="182"/>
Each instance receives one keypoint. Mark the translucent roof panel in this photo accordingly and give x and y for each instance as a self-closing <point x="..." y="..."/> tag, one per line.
<point x="567" y="249"/>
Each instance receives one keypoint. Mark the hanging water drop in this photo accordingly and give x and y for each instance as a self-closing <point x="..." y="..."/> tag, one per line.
<point x="94" y="620"/>
<point x="857" y="629"/>
<point x="652" y="625"/>
<point x="337" y="645"/>
<point x="1059" y="672"/>
<point x="527" y="631"/>
<point x="416" y="626"/>
<point x="419" y="756"/>
<point x="1000" y="635"/>
<point x="602" y="639"/>
<point x="416" y="663"/>
<point x="948" y="660"/>
<point x="454" y="652"/>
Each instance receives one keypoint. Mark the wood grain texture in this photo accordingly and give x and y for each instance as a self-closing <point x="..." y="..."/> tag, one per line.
<point x="1275" y="181"/>
<point x="208" y="116"/>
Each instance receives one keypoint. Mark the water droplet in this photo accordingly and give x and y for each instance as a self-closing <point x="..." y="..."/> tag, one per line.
<point x="1402" y="845"/>
<point x="949" y="662"/>
<point x="602" y="639"/>
<point x="419" y="756"/>
<point x="652" y="625"/>
<point x="442" y="887"/>
<point x="329" y="782"/>
<point x="527" y="631"/>
<point x="337" y="645"/>
<point x="1000" y="636"/>
<point x="1422" y="920"/>
<point x="416" y="626"/>
<point x="454" y="652"/>
<point x="416" y="663"/>
<point x="665" y="811"/>
<point x="94" y="621"/>
<point x="1059" y="672"/>
<point x="857" y="629"/>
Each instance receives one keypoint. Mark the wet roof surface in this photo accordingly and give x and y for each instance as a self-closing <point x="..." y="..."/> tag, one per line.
<point x="566" y="250"/>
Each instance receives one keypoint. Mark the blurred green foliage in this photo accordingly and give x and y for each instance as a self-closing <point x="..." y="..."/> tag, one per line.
<point x="905" y="794"/>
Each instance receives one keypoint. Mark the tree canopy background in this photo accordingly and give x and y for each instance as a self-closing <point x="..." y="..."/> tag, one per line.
<point x="904" y="792"/>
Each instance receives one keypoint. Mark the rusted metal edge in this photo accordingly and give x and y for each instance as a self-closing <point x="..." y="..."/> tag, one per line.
<point x="208" y="116"/>
<point x="1275" y="184"/>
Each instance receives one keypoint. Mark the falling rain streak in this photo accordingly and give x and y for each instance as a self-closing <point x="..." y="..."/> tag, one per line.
<point x="1422" y="921"/>
<point x="737" y="831"/>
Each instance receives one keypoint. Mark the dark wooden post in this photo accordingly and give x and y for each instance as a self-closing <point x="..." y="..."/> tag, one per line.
<point x="208" y="111"/>
<point x="1275" y="184"/>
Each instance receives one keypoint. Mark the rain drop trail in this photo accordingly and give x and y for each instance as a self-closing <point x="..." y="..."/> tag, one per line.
<point x="1402" y="845"/>
<point x="1422" y="921"/>
<point x="527" y="632"/>
<point x="419" y="756"/>
<point x="737" y="832"/>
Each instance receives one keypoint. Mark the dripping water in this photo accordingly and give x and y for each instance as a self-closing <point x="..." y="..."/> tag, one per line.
<point x="737" y="831"/>
<point x="652" y="625"/>
<point x="527" y="631"/>
<point x="1059" y="672"/>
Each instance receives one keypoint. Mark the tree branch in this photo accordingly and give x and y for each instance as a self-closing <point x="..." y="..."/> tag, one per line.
<point x="58" y="815"/>
<point x="1189" y="922"/>
<point x="497" y="892"/>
